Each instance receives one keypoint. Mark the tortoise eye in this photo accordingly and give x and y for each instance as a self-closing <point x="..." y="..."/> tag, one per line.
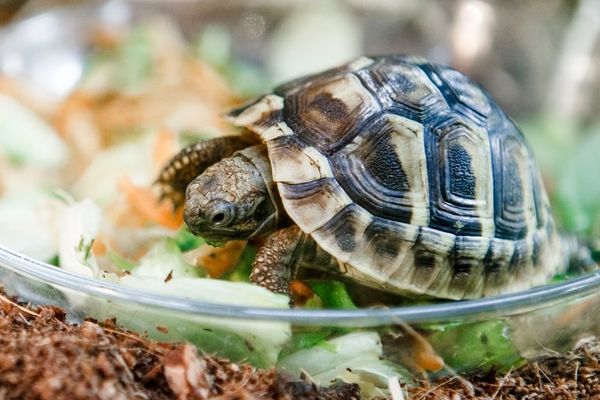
<point x="222" y="214"/>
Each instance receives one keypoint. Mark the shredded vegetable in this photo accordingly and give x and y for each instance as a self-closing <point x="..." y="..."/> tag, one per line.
<point x="76" y="190"/>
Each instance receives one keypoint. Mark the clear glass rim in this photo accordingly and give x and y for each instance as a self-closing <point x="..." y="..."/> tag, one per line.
<point x="502" y="305"/>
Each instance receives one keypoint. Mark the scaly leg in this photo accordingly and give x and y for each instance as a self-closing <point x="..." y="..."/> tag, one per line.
<point x="276" y="259"/>
<point x="191" y="161"/>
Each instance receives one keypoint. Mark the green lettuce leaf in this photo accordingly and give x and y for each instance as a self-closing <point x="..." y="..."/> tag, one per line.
<point x="353" y="358"/>
<point x="162" y="271"/>
<point x="480" y="346"/>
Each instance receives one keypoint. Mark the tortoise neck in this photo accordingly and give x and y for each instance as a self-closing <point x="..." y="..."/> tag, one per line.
<point x="258" y="156"/>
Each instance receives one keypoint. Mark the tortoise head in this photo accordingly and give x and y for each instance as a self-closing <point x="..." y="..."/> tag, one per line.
<point x="233" y="198"/>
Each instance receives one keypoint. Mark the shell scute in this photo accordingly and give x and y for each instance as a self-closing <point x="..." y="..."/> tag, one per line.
<point x="466" y="91"/>
<point x="404" y="88"/>
<point x="328" y="112"/>
<point x="385" y="252"/>
<point x="296" y="162"/>
<point x="460" y="178"/>
<point x="385" y="170"/>
<point x="344" y="233"/>
<point x="313" y="203"/>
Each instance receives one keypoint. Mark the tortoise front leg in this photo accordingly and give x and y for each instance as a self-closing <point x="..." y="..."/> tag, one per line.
<point x="191" y="161"/>
<point x="274" y="267"/>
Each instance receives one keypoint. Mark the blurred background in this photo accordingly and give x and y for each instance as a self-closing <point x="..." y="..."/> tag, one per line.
<point x="533" y="56"/>
<point x="539" y="59"/>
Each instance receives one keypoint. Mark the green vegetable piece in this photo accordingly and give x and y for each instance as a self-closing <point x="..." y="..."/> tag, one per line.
<point x="333" y="294"/>
<point x="85" y="248"/>
<point x="577" y="192"/>
<point x="306" y="340"/>
<point x="215" y="243"/>
<point x="165" y="259"/>
<point x="189" y="138"/>
<point x="228" y="344"/>
<point x="187" y="241"/>
<point x="134" y="60"/>
<point x="121" y="262"/>
<point x="214" y="45"/>
<point x="28" y="139"/>
<point x="355" y="358"/>
<point x="240" y="339"/>
<point x="55" y="261"/>
<point x="246" y="79"/>
<point x="480" y="346"/>
<point x="314" y="302"/>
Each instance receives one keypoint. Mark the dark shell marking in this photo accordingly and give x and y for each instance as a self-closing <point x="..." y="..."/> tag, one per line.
<point x="411" y="176"/>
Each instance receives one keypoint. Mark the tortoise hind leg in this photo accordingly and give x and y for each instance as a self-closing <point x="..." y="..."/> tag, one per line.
<point x="191" y="161"/>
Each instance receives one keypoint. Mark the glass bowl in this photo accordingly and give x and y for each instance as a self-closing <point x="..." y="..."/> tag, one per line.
<point x="492" y="332"/>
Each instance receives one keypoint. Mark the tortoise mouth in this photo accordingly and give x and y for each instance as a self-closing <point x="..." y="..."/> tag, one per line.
<point x="224" y="234"/>
<point x="218" y="234"/>
<point x="211" y="233"/>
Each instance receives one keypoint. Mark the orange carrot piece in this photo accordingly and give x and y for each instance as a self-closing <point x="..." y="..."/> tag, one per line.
<point x="301" y="290"/>
<point x="99" y="247"/>
<point x="29" y="95"/>
<point x="74" y="104"/>
<point x="144" y="202"/>
<point x="219" y="260"/>
<point x="426" y="358"/>
<point x="164" y="148"/>
<point x="105" y="37"/>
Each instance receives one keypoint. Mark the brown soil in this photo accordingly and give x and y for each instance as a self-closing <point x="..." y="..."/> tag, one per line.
<point x="559" y="376"/>
<point x="44" y="357"/>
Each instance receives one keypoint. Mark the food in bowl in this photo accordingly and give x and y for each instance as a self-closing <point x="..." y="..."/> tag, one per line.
<point x="144" y="97"/>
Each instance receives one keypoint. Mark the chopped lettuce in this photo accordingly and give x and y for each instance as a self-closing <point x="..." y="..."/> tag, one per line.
<point x="187" y="241"/>
<point x="134" y="60"/>
<point x="214" y="47"/>
<point x="26" y="138"/>
<point x="306" y="339"/>
<point x="78" y="227"/>
<point x="353" y="358"/>
<point x="121" y="262"/>
<point x="164" y="259"/>
<point x="163" y="271"/>
<point x="481" y="346"/>
<point x="100" y="180"/>
<point x="28" y="224"/>
<point x="258" y="342"/>
<point x="333" y="294"/>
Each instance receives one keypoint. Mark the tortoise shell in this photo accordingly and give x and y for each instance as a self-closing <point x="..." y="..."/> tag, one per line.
<point x="411" y="176"/>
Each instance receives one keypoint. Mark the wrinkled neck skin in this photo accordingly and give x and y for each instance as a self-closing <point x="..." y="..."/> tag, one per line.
<point x="258" y="156"/>
<point x="234" y="199"/>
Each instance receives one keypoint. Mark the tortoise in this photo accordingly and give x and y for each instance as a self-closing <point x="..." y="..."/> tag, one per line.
<point x="396" y="173"/>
